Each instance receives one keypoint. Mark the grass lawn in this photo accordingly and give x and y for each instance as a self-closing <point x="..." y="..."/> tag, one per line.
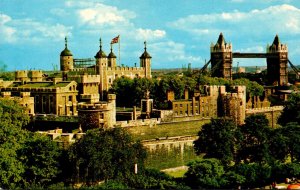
<point x="176" y="172"/>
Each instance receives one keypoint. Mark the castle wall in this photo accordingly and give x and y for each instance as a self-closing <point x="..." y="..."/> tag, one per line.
<point x="272" y="113"/>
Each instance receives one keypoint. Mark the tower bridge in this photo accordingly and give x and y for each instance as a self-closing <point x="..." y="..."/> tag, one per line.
<point x="276" y="57"/>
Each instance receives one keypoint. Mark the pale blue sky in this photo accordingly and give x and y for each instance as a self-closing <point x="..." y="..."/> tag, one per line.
<point x="177" y="32"/>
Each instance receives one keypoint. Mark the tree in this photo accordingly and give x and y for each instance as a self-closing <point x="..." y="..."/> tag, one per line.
<point x="205" y="173"/>
<point x="288" y="144"/>
<point x="12" y="137"/>
<point x="253" y="141"/>
<point x="40" y="156"/>
<point x="105" y="154"/>
<point x="256" y="175"/>
<point x="217" y="140"/>
<point x="291" y="111"/>
<point x="122" y="87"/>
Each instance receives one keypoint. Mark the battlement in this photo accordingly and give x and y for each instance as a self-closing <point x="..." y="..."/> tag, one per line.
<point x="5" y="94"/>
<point x="214" y="90"/>
<point x="220" y="48"/>
<point x="24" y="94"/>
<point x="98" y="106"/>
<point x="125" y="68"/>
<point x="111" y="97"/>
<point x="36" y="73"/>
<point x="265" y="109"/>
<point x="41" y="89"/>
<point x="275" y="49"/>
<point x="90" y="78"/>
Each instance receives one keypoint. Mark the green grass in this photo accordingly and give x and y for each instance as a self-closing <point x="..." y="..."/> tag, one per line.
<point x="167" y="130"/>
<point x="177" y="173"/>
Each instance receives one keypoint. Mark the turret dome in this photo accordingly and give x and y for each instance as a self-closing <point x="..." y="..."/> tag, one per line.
<point x="66" y="51"/>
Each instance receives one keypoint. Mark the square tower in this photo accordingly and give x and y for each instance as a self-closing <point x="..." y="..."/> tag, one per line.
<point x="277" y="59"/>
<point x="221" y="59"/>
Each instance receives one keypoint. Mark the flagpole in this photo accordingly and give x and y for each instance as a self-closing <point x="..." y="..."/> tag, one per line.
<point x="119" y="51"/>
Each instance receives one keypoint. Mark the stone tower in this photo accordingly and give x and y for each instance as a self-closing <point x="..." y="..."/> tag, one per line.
<point x="145" y="62"/>
<point x="101" y="59"/>
<point x="112" y="58"/>
<point x="66" y="58"/>
<point x="101" y="69"/>
<point x="221" y="59"/>
<point x="277" y="63"/>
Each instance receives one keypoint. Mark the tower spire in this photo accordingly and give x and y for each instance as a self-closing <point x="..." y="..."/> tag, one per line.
<point x="66" y="42"/>
<point x="145" y="43"/>
<point x="100" y="44"/>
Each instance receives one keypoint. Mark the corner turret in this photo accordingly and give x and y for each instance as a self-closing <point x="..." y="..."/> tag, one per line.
<point x="112" y="58"/>
<point x="66" y="58"/>
<point x="101" y="59"/>
<point x="145" y="62"/>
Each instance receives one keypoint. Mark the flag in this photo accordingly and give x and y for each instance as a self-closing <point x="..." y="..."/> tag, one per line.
<point x="115" y="40"/>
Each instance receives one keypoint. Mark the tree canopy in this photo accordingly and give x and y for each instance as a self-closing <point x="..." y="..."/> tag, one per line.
<point x="105" y="154"/>
<point x="217" y="140"/>
<point x="291" y="111"/>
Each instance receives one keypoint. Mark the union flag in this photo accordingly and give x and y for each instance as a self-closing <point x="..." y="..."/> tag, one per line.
<point x="115" y="40"/>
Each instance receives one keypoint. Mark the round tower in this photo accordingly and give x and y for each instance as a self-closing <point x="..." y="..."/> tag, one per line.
<point x="37" y="76"/>
<point x="66" y="58"/>
<point x="21" y="76"/>
<point x="145" y="62"/>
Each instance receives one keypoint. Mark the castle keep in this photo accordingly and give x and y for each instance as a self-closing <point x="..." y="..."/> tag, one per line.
<point x="105" y="67"/>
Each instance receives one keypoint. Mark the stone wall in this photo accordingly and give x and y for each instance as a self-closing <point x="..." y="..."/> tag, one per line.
<point x="272" y="113"/>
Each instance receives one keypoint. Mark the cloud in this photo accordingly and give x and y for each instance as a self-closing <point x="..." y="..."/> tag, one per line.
<point x="6" y="32"/>
<point x="148" y="34"/>
<point x="172" y="52"/>
<point x="274" y="19"/>
<point x="29" y="30"/>
<point x="59" y="12"/>
<point x="100" y="14"/>
<point x="254" y="49"/>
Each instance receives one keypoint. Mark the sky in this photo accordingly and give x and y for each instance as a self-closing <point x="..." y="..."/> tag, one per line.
<point x="177" y="32"/>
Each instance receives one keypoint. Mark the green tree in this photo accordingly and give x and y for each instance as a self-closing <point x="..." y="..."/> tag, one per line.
<point x="217" y="140"/>
<point x="122" y="87"/>
<point x="253" y="141"/>
<point x="40" y="156"/>
<point x="288" y="143"/>
<point x="291" y="111"/>
<point x="12" y="137"/>
<point x="205" y="173"/>
<point x="105" y="154"/>
<point x="256" y="175"/>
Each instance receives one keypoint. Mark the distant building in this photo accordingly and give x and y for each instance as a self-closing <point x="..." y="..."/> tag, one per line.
<point x="214" y="102"/>
<point x="277" y="61"/>
<point x="221" y="59"/>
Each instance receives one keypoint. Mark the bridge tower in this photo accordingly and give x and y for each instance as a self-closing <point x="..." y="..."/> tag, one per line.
<point x="277" y="63"/>
<point x="221" y="59"/>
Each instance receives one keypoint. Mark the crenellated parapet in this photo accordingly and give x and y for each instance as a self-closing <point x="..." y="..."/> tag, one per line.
<point x="224" y="47"/>
<point x="275" y="49"/>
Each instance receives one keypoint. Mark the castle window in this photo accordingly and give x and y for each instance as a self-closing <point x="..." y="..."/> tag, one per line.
<point x="181" y="105"/>
<point x="109" y="80"/>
